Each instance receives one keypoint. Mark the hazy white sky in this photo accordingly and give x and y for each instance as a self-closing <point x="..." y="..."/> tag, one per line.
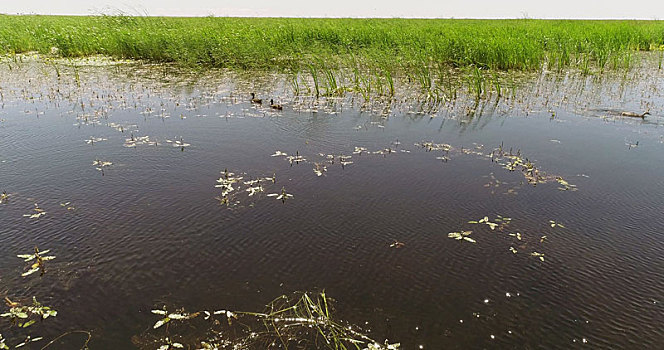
<point x="644" y="9"/>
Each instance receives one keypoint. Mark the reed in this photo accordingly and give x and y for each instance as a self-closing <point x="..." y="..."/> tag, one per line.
<point x="289" y="43"/>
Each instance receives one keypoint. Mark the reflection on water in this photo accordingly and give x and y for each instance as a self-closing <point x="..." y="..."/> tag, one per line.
<point x="529" y="220"/>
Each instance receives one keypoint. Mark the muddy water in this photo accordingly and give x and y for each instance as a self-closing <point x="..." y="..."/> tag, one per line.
<point x="148" y="230"/>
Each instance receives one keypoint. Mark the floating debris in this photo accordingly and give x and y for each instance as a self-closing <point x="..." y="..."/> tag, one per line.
<point x="121" y="127"/>
<point x="253" y="190"/>
<point x="283" y="196"/>
<point x="226" y="182"/>
<point x="514" y="161"/>
<point x="319" y="169"/>
<point x="140" y="140"/>
<point x="174" y="316"/>
<point x="92" y="140"/>
<point x="273" y="178"/>
<point x="431" y="146"/>
<point x="232" y="185"/>
<point x="39" y="213"/>
<point x="28" y="339"/>
<point x="566" y="186"/>
<point x="554" y="224"/>
<point x="494" y="183"/>
<point x="397" y="244"/>
<point x="251" y="182"/>
<point x="67" y="205"/>
<point x="485" y="220"/>
<point x="462" y="236"/>
<point x="513" y="250"/>
<point x="100" y="164"/>
<point x="279" y="154"/>
<point x="359" y="150"/>
<point x="344" y="160"/>
<point x="38" y="265"/>
<point x="170" y="345"/>
<point x="539" y="255"/>
<point x="297" y="158"/>
<point x="179" y="143"/>
<point x="4" y="197"/>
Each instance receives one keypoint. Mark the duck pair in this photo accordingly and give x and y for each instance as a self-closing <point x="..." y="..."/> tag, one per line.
<point x="260" y="101"/>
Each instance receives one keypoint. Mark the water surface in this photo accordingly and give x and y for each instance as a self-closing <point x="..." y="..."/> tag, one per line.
<point x="148" y="231"/>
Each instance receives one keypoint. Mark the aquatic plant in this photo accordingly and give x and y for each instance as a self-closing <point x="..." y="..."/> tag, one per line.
<point x="38" y="265"/>
<point x="484" y="220"/>
<point x="283" y="196"/>
<point x="134" y="141"/>
<point x="297" y="158"/>
<point x="92" y="140"/>
<point x="101" y="164"/>
<point x="179" y="143"/>
<point x="565" y="186"/>
<point x="26" y="315"/>
<point x="171" y="316"/>
<point x="68" y="206"/>
<point x="302" y="321"/>
<point x="555" y="224"/>
<point x="359" y="150"/>
<point x="538" y="255"/>
<point x="319" y="169"/>
<point x="39" y="212"/>
<point x="516" y="234"/>
<point x="253" y="190"/>
<point x="4" y="197"/>
<point x="462" y="236"/>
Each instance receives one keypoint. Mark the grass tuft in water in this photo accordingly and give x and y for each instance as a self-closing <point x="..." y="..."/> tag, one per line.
<point x="302" y="320"/>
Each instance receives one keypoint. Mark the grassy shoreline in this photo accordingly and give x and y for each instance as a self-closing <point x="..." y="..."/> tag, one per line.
<point x="289" y="44"/>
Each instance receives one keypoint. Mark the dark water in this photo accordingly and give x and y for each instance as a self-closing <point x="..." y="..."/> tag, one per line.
<point x="150" y="232"/>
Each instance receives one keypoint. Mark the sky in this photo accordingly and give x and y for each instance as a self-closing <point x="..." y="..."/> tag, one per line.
<point x="636" y="9"/>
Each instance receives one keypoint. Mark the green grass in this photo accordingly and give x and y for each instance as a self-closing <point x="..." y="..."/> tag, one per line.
<point x="287" y="44"/>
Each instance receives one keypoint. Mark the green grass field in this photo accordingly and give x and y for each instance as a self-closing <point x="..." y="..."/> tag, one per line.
<point x="294" y="44"/>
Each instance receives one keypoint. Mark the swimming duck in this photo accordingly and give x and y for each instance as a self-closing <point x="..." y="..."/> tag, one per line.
<point x="255" y="100"/>
<point x="635" y="115"/>
<point x="277" y="106"/>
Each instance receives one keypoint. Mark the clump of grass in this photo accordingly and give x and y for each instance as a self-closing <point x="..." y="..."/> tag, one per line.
<point x="300" y="321"/>
<point x="307" y="319"/>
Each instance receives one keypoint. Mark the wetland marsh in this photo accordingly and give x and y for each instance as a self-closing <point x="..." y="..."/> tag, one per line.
<point x="522" y="212"/>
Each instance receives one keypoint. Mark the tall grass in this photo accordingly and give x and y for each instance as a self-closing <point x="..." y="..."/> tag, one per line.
<point x="288" y="43"/>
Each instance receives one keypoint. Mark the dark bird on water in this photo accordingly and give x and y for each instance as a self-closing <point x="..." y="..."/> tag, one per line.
<point x="255" y="100"/>
<point x="275" y="106"/>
